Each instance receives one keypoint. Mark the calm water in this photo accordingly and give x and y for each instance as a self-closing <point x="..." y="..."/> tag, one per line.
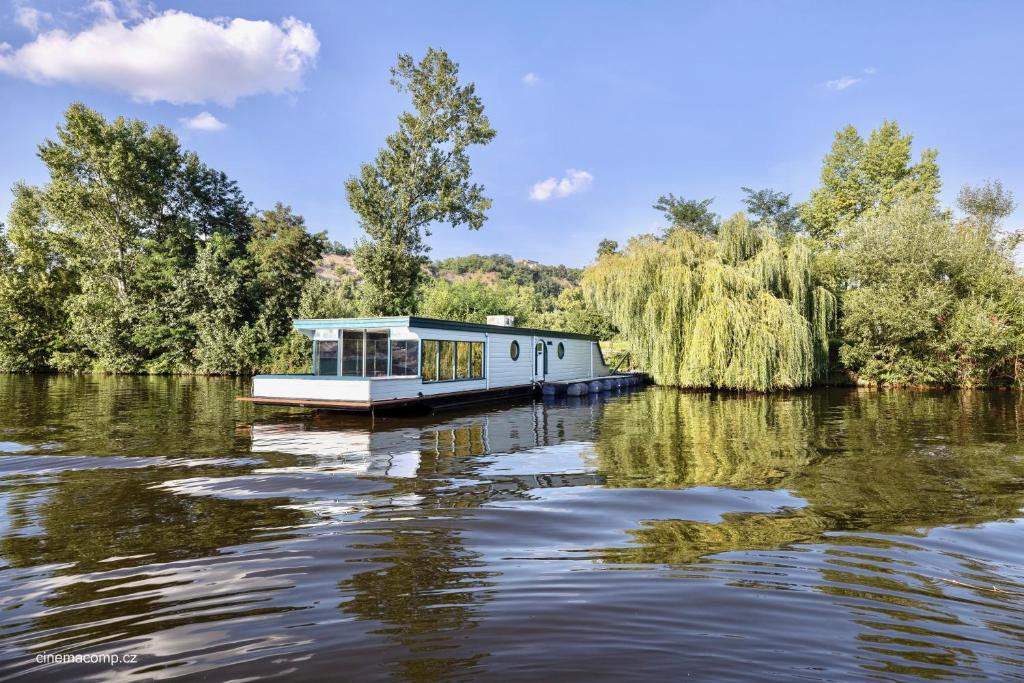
<point x="649" y="536"/>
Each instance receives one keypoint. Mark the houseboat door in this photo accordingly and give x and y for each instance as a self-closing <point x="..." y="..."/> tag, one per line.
<point x="540" y="361"/>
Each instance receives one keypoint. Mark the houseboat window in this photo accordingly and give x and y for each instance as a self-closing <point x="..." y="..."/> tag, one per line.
<point x="326" y="358"/>
<point x="513" y="350"/>
<point x="352" y="354"/>
<point x="476" y="363"/>
<point x="376" y="354"/>
<point x="404" y="354"/>
<point x="430" y="361"/>
<point x="461" y="360"/>
<point x="561" y="350"/>
<point x="446" y="361"/>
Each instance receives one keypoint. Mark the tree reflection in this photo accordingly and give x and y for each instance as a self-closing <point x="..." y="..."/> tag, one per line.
<point x="870" y="464"/>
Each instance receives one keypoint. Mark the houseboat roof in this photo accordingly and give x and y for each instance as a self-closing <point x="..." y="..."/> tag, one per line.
<point x="433" y="323"/>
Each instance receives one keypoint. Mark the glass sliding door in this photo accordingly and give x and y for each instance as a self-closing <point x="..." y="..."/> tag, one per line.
<point x="476" y="363"/>
<point x="404" y="357"/>
<point x="446" y="362"/>
<point x="462" y="360"/>
<point x="430" y="360"/>
<point x="352" y="353"/>
<point x="376" y="354"/>
<point x="326" y="358"/>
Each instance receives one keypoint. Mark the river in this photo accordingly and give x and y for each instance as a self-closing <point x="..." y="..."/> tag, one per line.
<point x="641" y="535"/>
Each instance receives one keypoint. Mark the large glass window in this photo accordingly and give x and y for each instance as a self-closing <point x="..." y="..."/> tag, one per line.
<point x="476" y="365"/>
<point x="352" y="354"/>
<point x="376" y="354"/>
<point x="404" y="354"/>
<point x="326" y="358"/>
<point x="446" y="361"/>
<point x="462" y="360"/>
<point x="430" y="360"/>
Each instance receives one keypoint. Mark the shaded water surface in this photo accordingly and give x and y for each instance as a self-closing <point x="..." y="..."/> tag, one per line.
<point x="653" y="535"/>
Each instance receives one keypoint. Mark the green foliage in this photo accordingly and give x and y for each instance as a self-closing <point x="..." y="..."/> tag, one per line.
<point x="740" y="311"/>
<point x="34" y="284"/>
<point x="773" y="210"/>
<point x="548" y="280"/>
<point x="337" y="248"/>
<point x="473" y="301"/>
<point x="420" y="177"/>
<point x="987" y="204"/>
<point x="860" y="177"/>
<point x="931" y="301"/>
<point x="688" y="214"/>
<point x="606" y="247"/>
<point x="136" y="257"/>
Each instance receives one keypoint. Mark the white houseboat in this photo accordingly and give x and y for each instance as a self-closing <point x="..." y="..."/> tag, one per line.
<point x="362" y="364"/>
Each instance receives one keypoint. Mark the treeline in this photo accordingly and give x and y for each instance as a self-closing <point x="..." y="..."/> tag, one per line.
<point x="870" y="276"/>
<point x="137" y="257"/>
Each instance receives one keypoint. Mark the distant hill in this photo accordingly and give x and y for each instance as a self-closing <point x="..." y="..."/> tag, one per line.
<point x="489" y="269"/>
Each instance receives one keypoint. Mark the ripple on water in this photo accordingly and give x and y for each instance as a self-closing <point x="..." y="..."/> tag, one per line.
<point x="647" y="536"/>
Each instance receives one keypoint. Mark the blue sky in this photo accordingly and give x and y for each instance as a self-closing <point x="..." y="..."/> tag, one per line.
<point x="626" y="101"/>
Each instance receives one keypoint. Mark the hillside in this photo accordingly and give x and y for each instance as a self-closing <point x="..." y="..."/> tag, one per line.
<point x="487" y="269"/>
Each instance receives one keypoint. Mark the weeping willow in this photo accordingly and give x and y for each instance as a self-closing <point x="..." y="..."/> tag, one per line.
<point x="740" y="311"/>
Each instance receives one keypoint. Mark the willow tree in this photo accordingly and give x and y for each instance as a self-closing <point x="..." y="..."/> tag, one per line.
<point x="740" y="311"/>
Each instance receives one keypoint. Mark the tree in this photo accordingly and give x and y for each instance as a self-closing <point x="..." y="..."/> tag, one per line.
<point x="932" y="301"/>
<point x="688" y="214"/>
<point x="987" y="204"/>
<point x="859" y="177"/>
<point x="420" y="177"/>
<point x="285" y="256"/>
<point x="770" y="208"/>
<point x="606" y="247"/>
<point x="34" y="284"/>
<point x="742" y="311"/>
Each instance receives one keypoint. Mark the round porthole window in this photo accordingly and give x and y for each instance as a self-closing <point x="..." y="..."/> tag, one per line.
<point x="561" y="350"/>
<point x="513" y="350"/>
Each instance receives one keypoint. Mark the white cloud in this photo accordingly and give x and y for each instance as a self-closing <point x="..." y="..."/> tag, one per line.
<point x="531" y="79"/>
<point x="30" y="18"/>
<point x="173" y="56"/>
<point x="204" y="121"/>
<point x="556" y="188"/>
<point x="848" y="81"/>
<point x="842" y="83"/>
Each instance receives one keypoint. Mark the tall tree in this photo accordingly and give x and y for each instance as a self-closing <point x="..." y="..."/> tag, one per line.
<point x="861" y="176"/>
<point x="987" y="204"/>
<point x="688" y="214"/>
<point x="420" y="177"/>
<point x="770" y="208"/>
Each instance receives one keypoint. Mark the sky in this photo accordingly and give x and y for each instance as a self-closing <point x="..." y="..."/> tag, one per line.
<point x="599" y="107"/>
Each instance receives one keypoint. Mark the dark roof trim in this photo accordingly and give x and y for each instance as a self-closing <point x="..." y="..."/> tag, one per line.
<point x="432" y="323"/>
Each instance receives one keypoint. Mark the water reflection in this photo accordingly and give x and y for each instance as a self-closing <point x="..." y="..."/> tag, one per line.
<point x="822" y="535"/>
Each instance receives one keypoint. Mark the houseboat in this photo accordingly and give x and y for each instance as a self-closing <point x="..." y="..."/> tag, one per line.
<point x="364" y="364"/>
